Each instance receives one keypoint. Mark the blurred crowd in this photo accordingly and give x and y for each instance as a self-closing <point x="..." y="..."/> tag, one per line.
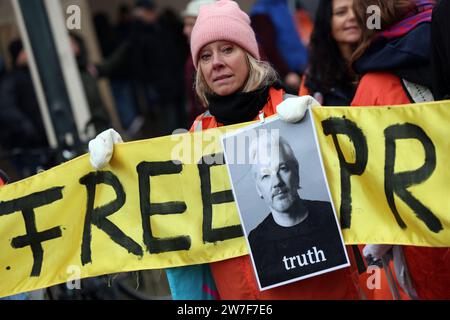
<point x="146" y="58"/>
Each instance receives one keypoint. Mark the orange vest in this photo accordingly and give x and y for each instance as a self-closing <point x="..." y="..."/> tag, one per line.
<point x="380" y="89"/>
<point x="235" y="278"/>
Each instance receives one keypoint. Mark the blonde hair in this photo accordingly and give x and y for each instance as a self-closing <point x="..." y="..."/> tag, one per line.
<point x="260" y="74"/>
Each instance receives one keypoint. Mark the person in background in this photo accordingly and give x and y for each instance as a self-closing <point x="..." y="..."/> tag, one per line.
<point x="276" y="33"/>
<point x="336" y="33"/>
<point x="194" y="107"/>
<point x="21" y="121"/>
<point x="151" y="62"/>
<point x="236" y="86"/>
<point x="440" y="52"/>
<point x="177" y="51"/>
<point x="303" y="22"/>
<point x="99" y="115"/>
<point x="394" y="60"/>
<point x="117" y="68"/>
<point x="106" y="34"/>
<point x="140" y="58"/>
<point x="394" y="64"/>
<point x="124" y="22"/>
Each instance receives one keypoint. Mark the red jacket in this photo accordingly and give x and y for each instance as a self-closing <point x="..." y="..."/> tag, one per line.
<point x="3" y="178"/>
<point x="235" y="278"/>
<point x="429" y="267"/>
<point x="380" y="89"/>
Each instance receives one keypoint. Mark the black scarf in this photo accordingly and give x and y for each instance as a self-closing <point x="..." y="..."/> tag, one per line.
<point x="238" y="107"/>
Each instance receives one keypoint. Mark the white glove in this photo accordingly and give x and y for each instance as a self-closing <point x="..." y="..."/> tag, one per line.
<point x="376" y="251"/>
<point x="293" y="109"/>
<point x="101" y="148"/>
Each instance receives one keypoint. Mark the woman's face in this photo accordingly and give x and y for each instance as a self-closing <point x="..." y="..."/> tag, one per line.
<point x="224" y="67"/>
<point x="344" y="27"/>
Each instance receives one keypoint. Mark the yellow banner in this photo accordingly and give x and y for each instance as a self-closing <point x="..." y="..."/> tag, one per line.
<point x="165" y="202"/>
<point x="388" y="172"/>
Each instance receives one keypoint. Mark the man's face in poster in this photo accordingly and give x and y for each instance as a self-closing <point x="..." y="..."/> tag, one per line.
<point x="276" y="175"/>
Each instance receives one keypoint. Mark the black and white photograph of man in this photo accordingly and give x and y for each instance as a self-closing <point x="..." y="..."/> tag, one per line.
<point x="292" y="234"/>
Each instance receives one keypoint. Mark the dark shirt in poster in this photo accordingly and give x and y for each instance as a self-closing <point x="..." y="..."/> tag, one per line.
<point x="315" y="241"/>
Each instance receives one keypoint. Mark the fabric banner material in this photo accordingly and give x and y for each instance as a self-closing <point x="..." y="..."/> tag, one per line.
<point x="167" y="201"/>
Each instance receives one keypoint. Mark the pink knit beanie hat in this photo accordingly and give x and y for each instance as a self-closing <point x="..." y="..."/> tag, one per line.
<point x="223" y="20"/>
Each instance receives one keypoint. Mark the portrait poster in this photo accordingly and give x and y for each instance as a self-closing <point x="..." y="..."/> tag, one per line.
<point x="284" y="202"/>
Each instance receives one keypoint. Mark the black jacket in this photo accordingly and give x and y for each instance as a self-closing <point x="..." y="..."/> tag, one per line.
<point x="341" y="94"/>
<point x="20" y="117"/>
<point x="440" y="52"/>
<point x="271" y="243"/>
<point x="407" y="57"/>
<point x="150" y="57"/>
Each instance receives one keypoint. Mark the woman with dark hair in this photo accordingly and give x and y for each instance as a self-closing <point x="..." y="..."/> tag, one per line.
<point x="394" y="62"/>
<point x="335" y="36"/>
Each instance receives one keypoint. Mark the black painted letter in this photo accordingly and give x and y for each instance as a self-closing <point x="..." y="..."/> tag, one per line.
<point x="208" y="198"/>
<point x="156" y="245"/>
<point x="398" y="183"/>
<point x="33" y="238"/>
<point x="335" y="126"/>
<point x="97" y="216"/>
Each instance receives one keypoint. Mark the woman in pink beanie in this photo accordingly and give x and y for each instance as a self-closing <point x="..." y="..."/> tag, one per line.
<point x="231" y="81"/>
<point x="235" y="86"/>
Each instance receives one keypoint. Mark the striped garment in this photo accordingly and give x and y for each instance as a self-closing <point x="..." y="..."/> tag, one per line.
<point x="422" y="14"/>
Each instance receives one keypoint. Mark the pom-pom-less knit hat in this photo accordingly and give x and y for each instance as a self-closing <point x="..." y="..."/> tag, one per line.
<point x="223" y="20"/>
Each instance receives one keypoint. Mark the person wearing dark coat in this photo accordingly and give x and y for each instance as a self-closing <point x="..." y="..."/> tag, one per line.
<point x="440" y="50"/>
<point x="151" y="61"/>
<point x="334" y="38"/>
<point x="394" y="62"/>
<point x="99" y="116"/>
<point x="20" y="116"/>
<point x="23" y="136"/>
